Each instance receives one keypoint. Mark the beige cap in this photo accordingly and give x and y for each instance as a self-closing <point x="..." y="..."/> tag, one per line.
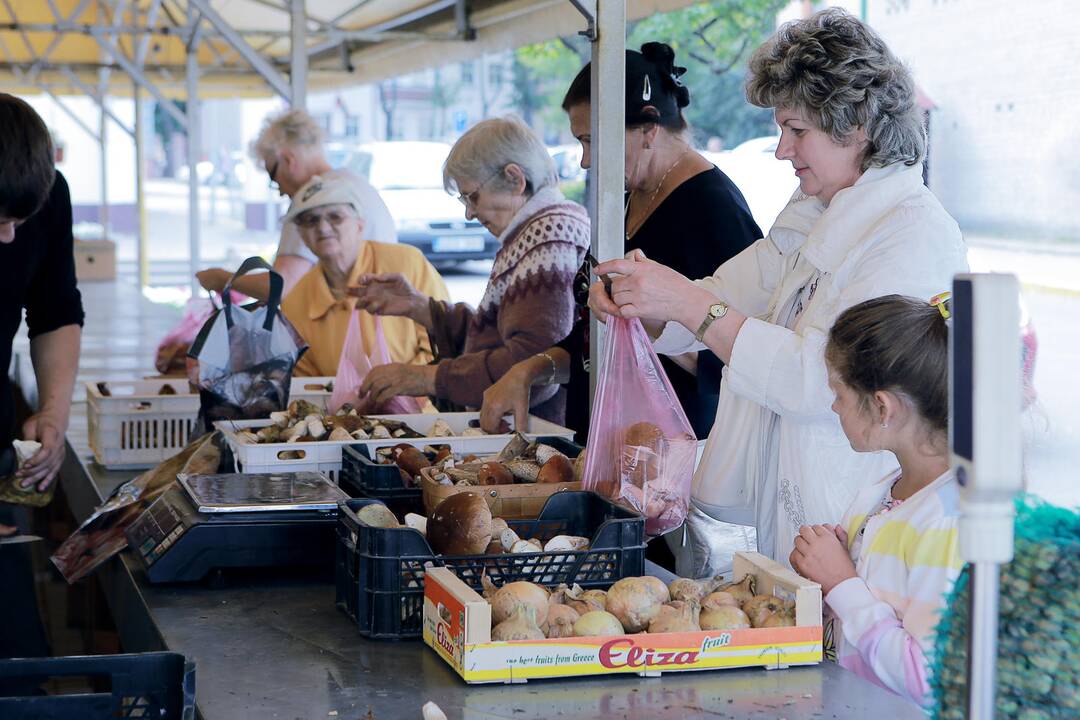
<point x="319" y="191"/>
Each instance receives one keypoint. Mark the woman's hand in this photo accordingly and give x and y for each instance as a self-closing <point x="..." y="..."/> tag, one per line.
<point x="510" y="395"/>
<point x="645" y="289"/>
<point x="386" y="382"/>
<point x="391" y="294"/>
<point x="42" y="468"/>
<point x="819" y="556"/>
<point x="600" y="301"/>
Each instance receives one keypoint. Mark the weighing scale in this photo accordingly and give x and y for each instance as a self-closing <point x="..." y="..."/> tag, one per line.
<point x="207" y="522"/>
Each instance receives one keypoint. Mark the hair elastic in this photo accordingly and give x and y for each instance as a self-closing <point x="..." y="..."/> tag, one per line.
<point x="943" y="303"/>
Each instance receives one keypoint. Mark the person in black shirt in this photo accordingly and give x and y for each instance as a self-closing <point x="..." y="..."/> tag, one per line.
<point x="37" y="274"/>
<point x="681" y="210"/>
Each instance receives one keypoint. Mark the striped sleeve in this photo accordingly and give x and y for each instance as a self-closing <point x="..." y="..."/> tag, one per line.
<point x="888" y="644"/>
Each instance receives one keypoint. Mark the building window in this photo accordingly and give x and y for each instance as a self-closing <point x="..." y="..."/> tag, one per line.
<point x="352" y="126"/>
<point x="326" y="121"/>
<point x="495" y="74"/>
<point x="467" y="72"/>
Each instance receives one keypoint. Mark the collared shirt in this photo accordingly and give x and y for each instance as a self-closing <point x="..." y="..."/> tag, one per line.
<point x="323" y="320"/>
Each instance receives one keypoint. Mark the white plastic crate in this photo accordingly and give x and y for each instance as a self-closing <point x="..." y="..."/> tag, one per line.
<point x="325" y="456"/>
<point x="134" y="427"/>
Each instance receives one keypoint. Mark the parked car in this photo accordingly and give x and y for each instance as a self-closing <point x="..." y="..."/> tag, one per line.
<point x="765" y="182"/>
<point x="408" y="176"/>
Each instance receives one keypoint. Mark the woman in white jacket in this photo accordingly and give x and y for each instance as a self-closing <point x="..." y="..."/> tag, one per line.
<point x="861" y="225"/>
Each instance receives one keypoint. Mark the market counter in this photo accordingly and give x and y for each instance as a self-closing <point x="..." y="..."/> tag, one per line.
<point x="278" y="647"/>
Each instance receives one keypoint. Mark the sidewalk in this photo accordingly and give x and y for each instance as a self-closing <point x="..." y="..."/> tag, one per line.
<point x="1050" y="267"/>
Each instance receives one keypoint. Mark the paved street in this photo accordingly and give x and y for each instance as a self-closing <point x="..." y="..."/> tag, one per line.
<point x="1050" y="273"/>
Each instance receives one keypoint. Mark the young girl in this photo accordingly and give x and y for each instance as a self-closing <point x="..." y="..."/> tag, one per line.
<point x="885" y="570"/>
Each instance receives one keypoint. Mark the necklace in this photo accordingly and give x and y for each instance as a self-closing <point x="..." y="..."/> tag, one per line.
<point x="652" y="198"/>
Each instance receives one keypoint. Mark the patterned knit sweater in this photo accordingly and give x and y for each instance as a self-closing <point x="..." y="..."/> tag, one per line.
<point x="528" y="305"/>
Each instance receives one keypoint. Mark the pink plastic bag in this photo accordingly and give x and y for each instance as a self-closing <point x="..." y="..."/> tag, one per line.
<point x="641" y="447"/>
<point x="354" y="365"/>
<point x="171" y="354"/>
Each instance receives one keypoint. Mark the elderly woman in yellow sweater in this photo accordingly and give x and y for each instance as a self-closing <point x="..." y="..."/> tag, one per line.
<point x="330" y="218"/>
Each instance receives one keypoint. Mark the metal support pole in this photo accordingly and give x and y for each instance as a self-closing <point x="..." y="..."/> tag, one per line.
<point x="194" y="140"/>
<point x="260" y="64"/>
<point x="141" y="237"/>
<point x="299" y="72"/>
<point x="982" y="642"/>
<point x="607" y="151"/>
<point x="103" y="123"/>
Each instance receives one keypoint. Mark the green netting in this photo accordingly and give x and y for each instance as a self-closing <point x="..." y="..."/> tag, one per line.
<point x="1039" y="629"/>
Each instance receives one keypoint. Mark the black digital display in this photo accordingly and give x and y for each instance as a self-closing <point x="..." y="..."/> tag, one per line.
<point x="962" y="372"/>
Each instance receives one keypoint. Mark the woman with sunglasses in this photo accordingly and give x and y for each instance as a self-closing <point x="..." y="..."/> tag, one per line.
<point x="330" y="217"/>
<point x="506" y="179"/>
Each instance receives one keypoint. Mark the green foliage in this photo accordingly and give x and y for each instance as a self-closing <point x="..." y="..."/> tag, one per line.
<point x="574" y="190"/>
<point x="1038" y="628"/>
<point x="713" y="40"/>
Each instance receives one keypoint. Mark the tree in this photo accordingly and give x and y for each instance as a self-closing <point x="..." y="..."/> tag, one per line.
<point x="713" y="40"/>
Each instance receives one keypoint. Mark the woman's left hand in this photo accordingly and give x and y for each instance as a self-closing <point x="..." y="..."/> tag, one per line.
<point x="646" y="289"/>
<point x="385" y="382"/>
<point x="819" y="556"/>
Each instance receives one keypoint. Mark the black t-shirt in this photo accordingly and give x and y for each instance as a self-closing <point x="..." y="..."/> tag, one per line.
<point x="701" y="225"/>
<point x="697" y="228"/>
<point x="37" y="272"/>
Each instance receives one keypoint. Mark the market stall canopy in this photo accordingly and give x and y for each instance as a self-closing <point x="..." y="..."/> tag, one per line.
<point x="69" y="46"/>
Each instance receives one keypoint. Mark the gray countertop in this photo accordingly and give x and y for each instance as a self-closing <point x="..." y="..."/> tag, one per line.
<point x="273" y="645"/>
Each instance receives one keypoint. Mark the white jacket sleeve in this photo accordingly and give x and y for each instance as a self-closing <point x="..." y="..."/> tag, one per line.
<point x="784" y="370"/>
<point x="745" y="282"/>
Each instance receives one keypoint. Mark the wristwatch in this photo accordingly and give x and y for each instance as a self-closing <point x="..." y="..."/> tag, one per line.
<point x="716" y="311"/>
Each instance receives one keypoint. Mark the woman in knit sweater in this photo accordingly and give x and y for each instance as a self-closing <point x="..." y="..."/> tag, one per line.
<point x="504" y="176"/>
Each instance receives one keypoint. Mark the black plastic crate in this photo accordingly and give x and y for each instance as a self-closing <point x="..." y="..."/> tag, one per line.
<point x="362" y="476"/>
<point x="144" y="685"/>
<point x="380" y="571"/>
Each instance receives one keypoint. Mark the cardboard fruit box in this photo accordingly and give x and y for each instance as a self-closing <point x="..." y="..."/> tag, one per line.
<point x="457" y="625"/>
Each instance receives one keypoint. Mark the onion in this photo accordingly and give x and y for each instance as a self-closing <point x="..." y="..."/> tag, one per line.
<point x="759" y="607"/>
<point x="779" y="619"/>
<point x="597" y="624"/>
<point x="510" y="598"/>
<point x="672" y="618"/>
<point x="719" y="599"/>
<point x="687" y="589"/>
<point x="635" y="602"/>
<point x="723" y="617"/>
<point x="584" y="601"/>
<point x="521" y="626"/>
<point x="560" y="621"/>
<point x="742" y="590"/>
<point x="657" y="587"/>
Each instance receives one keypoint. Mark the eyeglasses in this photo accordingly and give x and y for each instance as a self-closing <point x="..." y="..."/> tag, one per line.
<point x="272" y="171"/>
<point x="470" y="199"/>
<point x="311" y="220"/>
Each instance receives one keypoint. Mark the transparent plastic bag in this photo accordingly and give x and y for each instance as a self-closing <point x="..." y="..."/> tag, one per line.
<point x="641" y="447"/>
<point x="355" y="364"/>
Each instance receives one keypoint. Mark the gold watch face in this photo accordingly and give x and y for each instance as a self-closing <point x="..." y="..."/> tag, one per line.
<point x="717" y="310"/>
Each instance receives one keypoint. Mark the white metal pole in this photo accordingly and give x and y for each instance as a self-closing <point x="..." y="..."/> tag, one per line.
<point x="103" y="122"/>
<point x="194" y="140"/>
<point x="142" y="238"/>
<point x="608" y="83"/>
<point x="299" y="66"/>
<point x="982" y="645"/>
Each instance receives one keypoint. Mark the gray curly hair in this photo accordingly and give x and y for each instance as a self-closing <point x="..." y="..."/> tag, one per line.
<point x="840" y="73"/>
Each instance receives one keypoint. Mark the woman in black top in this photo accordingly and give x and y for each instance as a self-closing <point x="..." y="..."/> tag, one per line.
<point x="680" y="211"/>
